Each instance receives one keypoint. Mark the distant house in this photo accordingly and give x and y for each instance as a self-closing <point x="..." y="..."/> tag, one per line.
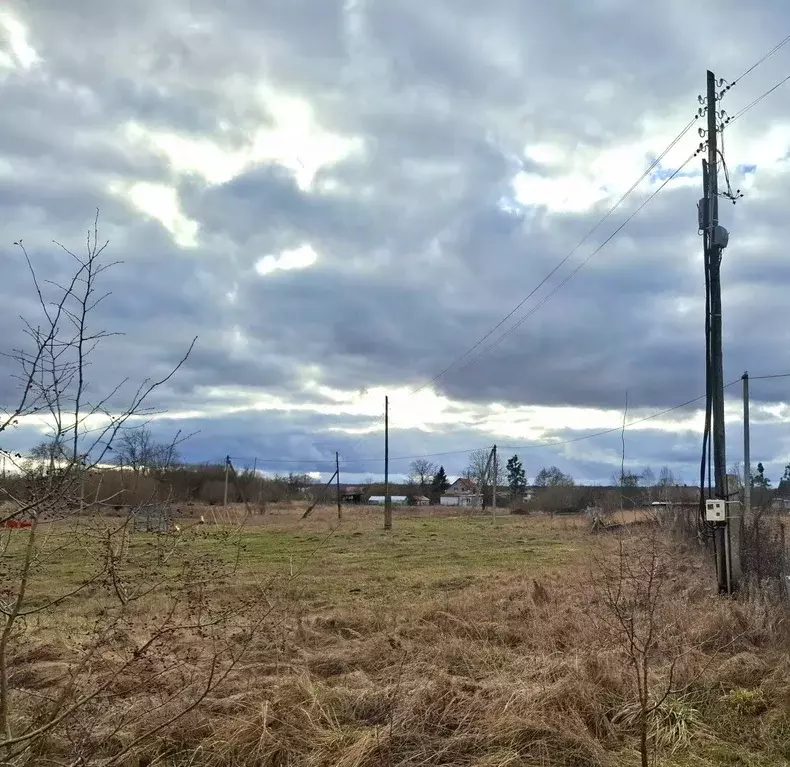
<point x="418" y="500"/>
<point x="465" y="501"/>
<point x="461" y="487"/>
<point x="462" y="492"/>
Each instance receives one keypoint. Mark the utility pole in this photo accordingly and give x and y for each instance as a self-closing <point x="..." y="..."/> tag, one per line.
<point x="258" y="480"/>
<point x="484" y="480"/>
<point x="495" y="469"/>
<point x="714" y="263"/>
<point x="715" y="238"/>
<point x="747" y="450"/>
<point x="225" y="494"/>
<point x="387" y="499"/>
<point x="337" y="475"/>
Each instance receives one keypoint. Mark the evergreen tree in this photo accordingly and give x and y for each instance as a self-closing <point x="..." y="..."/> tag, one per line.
<point x="784" y="482"/>
<point x="759" y="479"/>
<point x="439" y="483"/>
<point x="516" y="477"/>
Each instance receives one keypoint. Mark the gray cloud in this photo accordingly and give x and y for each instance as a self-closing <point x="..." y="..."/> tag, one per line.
<point x="416" y="257"/>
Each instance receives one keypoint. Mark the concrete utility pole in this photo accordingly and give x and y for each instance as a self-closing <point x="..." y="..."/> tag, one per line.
<point x="715" y="238"/>
<point x="714" y="264"/>
<point x="495" y="469"/>
<point x="387" y="499"/>
<point x="747" y="450"/>
<point x="337" y="475"/>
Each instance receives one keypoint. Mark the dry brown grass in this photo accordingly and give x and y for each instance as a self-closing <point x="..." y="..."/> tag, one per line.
<point x="452" y="641"/>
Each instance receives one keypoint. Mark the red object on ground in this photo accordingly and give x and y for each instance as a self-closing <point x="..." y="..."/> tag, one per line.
<point x="18" y="523"/>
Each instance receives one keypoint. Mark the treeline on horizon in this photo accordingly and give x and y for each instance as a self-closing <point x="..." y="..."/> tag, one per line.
<point x="146" y="471"/>
<point x="184" y="483"/>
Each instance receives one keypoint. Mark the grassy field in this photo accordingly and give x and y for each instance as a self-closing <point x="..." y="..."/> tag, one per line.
<point x="447" y="641"/>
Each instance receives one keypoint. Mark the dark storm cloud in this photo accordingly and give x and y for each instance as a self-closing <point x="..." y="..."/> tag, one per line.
<point x="416" y="260"/>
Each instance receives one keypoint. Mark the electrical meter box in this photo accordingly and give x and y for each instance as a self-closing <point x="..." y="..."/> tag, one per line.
<point x="715" y="511"/>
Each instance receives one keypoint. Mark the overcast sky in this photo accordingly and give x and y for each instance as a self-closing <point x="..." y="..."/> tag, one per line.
<point x="340" y="198"/>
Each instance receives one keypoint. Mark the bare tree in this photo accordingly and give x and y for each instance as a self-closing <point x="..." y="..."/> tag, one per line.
<point x="553" y="477"/>
<point x="665" y="477"/>
<point x="648" y="482"/>
<point x="631" y="588"/>
<point x="155" y="630"/>
<point x="477" y="464"/>
<point x="636" y="617"/>
<point x="49" y="454"/>
<point x="137" y="449"/>
<point x="421" y="472"/>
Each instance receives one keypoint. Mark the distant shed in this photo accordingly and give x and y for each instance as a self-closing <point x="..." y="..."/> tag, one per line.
<point x="396" y="500"/>
<point x="352" y="494"/>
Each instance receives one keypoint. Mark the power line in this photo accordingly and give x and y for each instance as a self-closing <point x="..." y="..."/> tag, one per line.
<point x="559" y="265"/>
<point x="730" y="120"/>
<point x="535" y="444"/>
<point x="611" y="210"/>
<point x="615" y="429"/>
<point x="322" y="461"/>
<point x="547" y="443"/>
<point x="531" y="445"/>
<point x="578" y="267"/>
<point x="765" y="377"/>
<point x="564" y="260"/>
<point x="754" y="66"/>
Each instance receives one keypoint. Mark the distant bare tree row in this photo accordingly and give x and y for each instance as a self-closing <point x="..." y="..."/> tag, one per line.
<point x="134" y="448"/>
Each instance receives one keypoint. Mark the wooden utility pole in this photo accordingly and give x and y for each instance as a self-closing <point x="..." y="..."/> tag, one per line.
<point x="387" y="499"/>
<point x="225" y="494"/>
<point x="484" y="479"/>
<point x="258" y="480"/>
<point x="320" y="497"/>
<point x="747" y="458"/>
<point x="337" y="475"/>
